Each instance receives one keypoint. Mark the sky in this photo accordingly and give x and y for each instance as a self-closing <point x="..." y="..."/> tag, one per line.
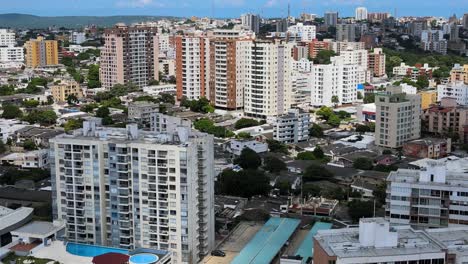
<point x="229" y="8"/>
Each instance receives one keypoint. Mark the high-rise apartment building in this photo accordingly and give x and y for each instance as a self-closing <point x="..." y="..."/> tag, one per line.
<point x="377" y="17"/>
<point x="305" y="32"/>
<point x="7" y="38"/>
<point x="331" y="19"/>
<point x="251" y="22"/>
<point x="398" y="117"/>
<point x="78" y="37"/>
<point x="127" y="188"/>
<point x="457" y="90"/>
<point x="465" y="21"/>
<point x="265" y="75"/>
<point x="41" y="52"/>
<point x="360" y="13"/>
<point x="224" y="63"/>
<point x="377" y="62"/>
<point x="433" y="196"/>
<point x="192" y="67"/>
<point x="459" y="73"/>
<point x="433" y="40"/>
<point x="346" y="32"/>
<point x="130" y="55"/>
<point x="338" y="79"/>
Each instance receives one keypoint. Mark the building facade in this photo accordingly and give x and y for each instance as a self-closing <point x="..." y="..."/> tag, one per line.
<point x="126" y="188"/>
<point x="360" y="14"/>
<point x="398" y="117"/>
<point x="251" y="22"/>
<point x="41" y="52"/>
<point x="331" y="19"/>
<point x="377" y="62"/>
<point x="457" y="90"/>
<point x="130" y="55"/>
<point x="346" y="32"/>
<point x="61" y="91"/>
<point x="431" y="197"/>
<point x="192" y="67"/>
<point x="292" y="127"/>
<point x="305" y="32"/>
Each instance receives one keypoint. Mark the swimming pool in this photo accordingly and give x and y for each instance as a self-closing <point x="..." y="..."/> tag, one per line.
<point x="91" y="250"/>
<point x="143" y="258"/>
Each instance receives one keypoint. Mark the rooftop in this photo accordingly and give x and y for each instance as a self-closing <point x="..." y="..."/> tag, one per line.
<point x="39" y="229"/>
<point x="345" y="243"/>
<point x="10" y="218"/>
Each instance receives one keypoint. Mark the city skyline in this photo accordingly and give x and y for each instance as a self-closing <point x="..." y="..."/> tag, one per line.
<point x="225" y="8"/>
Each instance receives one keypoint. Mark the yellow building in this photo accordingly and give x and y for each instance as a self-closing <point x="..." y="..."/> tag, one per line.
<point x="61" y="91"/>
<point x="41" y="52"/>
<point x="428" y="98"/>
<point x="459" y="73"/>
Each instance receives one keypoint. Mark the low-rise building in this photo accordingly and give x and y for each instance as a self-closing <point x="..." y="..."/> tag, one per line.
<point x="375" y="241"/>
<point x="38" y="159"/>
<point x="61" y="91"/>
<point x="428" y="98"/>
<point x="292" y="127"/>
<point x="236" y="146"/>
<point x="459" y="73"/>
<point x="447" y="117"/>
<point x="141" y="111"/>
<point x="8" y="128"/>
<point x="157" y="89"/>
<point x="456" y="89"/>
<point x="432" y="148"/>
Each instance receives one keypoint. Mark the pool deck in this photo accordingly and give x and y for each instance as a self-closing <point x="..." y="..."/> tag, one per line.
<point x="57" y="251"/>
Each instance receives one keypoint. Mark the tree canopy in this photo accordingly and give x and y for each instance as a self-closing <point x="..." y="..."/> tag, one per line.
<point x="245" y="183"/>
<point x="11" y="111"/>
<point x="316" y="173"/>
<point x="248" y="159"/>
<point x="273" y="164"/>
<point x="245" y="122"/>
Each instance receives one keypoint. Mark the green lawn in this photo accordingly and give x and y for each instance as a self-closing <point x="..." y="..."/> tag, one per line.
<point x="19" y="260"/>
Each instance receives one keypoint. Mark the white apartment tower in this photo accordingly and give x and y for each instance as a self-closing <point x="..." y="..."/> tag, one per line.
<point x="360" y="14"/>
<point x="7" y="38"/>
<point x="192" y="67"/>
<point x="9" y="54"/>
<point x="251" y="22"/>
<point x="336" y="79"/>
<point x="305" y="32"/>
<point x="265" y="75"/>
<point x="127" y="188"/>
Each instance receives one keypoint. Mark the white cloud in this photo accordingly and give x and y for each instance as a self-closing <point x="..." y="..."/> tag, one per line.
<point x="271" y="3"/>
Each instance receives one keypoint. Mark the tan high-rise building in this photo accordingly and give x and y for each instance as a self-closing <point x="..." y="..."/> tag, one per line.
<point x="61" y="91"/>
<point x="41" y="52"/>
<point x="398" y="117"/>
<point x="130" y="55"/>
<point x="192" y="67"/>
<point x="376" y="62"/>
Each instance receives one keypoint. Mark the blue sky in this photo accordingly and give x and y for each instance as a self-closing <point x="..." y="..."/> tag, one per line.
<point x="229" y="8"/>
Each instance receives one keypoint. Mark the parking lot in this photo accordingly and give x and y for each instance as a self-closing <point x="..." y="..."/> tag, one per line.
<point x="243" y="233"/>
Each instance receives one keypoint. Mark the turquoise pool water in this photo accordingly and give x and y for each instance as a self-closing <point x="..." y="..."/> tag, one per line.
<point x="91" y="250"/>
<point x="143" y="258"/>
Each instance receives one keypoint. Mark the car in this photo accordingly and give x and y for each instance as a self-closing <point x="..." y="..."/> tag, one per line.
<point x="218" y="253"/>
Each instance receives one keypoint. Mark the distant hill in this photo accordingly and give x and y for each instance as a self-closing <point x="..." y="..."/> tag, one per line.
<point x="30" y="21"/>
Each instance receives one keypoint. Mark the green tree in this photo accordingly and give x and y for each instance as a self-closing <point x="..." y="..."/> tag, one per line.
<point x="103" y="112"/>
<point x="316" y="131"/>
<point x="73" y="124"/>
<point x="359" y="95"/>
<point x="29" y="144"/>
<point x="324" y="56"/>
<point x="7" y="90"/>
<point x="30" y="103"/>
<point x="153" y="82"/>
<point x="248" y="159"/>
<point x="358" y="209"/>
<point x="325" y="112"/>
<point x="305" y="155"/>
<point x="245" y="183"/>
<point x="380" y="193"/>
<point x="72" y="99"/>
<point x="318" y="152"/>
<point x="42" y="117"/>
<point x="334" y="120"/>
<point x="3" y="147"/>
<point x="335" y="100"/>
<point x="273" y="164"/>
<point x="363" y="163"/>
<point x="93" y="76"/>
<point x="276" y="146"/>
<point x="316" y="173"/>
<point x="284" y="187"/>
<point x="167" y="98"/>
<point x="245" y="122"/>
<point x="422" y="82"/>
<point x="369" y="98"/>
<point x="89" y="108"/>
<point x="362" y="128"/>
<point x="11" y="111"/>
<point x="244" y="135"/>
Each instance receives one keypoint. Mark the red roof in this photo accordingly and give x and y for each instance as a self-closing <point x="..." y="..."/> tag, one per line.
<point x="111" y="258"/>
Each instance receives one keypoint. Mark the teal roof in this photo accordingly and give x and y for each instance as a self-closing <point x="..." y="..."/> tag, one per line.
<point x="267" y="242"/>
<point x="306" y="249"/>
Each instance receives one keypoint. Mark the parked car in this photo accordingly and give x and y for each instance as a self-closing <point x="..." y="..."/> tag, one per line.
<point x="218" y="253"/>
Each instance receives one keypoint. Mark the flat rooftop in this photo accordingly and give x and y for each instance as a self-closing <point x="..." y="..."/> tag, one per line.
<point x="268" y="241"/>
<point x="304" y="249"/>
<point x="38" y="228"/>
<point x="344" y="243"/>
